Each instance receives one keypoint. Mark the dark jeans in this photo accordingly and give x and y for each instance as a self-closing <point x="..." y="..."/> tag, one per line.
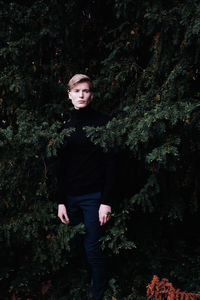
<point x="85" y="209"/>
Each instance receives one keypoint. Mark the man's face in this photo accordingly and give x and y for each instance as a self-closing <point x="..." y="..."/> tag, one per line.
<point x="80" y="95"/>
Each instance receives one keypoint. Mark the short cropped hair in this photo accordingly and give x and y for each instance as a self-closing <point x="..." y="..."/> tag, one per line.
<point x="78" y="78"/>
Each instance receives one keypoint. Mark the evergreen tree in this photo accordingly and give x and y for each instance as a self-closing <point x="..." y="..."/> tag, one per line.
<point x="144" y="60"/>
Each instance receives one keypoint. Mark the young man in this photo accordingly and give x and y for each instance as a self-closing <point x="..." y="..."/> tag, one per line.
<point x="86" y="179"/>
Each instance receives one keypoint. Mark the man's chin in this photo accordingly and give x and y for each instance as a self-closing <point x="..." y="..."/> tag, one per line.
<point x="81" y="105"/>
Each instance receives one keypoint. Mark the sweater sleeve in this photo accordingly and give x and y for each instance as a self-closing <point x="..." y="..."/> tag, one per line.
<point x="108" y="192"/>
<point x="60" y="192"/>
<point x="61" y="171"/>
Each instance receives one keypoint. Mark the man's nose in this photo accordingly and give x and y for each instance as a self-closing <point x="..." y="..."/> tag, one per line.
<point x="81" y="94"/>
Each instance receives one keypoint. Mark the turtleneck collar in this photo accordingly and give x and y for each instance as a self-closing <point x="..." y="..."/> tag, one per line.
<point x="83" y="113"/>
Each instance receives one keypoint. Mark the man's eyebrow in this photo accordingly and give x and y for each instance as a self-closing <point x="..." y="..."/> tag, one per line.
<point x="83" y="89"/>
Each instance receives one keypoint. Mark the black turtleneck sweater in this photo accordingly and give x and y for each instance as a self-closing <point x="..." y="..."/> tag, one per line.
<point x="84" y="167"/>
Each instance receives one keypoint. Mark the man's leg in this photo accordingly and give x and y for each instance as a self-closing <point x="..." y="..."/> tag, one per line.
<point x="75" y="215"/>
<point x="92" y="245"/>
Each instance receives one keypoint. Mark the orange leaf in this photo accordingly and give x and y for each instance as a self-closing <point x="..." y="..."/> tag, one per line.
<point x="45" y="287"/>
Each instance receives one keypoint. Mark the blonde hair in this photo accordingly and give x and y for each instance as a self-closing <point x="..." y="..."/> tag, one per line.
<point x="77" y="79"/>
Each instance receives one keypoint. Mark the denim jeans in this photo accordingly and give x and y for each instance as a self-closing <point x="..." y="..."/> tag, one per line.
<point x="85" y="209"/>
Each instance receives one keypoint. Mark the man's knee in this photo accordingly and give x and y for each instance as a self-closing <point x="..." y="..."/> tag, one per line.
<point x="94" y="254"/>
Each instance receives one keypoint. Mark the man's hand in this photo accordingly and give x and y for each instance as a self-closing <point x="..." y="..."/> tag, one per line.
<point x="62" y="214"/>
<point x="103" y="213"/>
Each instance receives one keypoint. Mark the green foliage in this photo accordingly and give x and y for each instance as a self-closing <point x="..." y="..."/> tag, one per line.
<point x="144" y="60"/>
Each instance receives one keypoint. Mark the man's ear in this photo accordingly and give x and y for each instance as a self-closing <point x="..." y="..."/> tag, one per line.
<point x="69" y="95"/>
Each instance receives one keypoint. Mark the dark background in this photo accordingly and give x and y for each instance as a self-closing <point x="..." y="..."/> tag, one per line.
<point x="143" y="58"/>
